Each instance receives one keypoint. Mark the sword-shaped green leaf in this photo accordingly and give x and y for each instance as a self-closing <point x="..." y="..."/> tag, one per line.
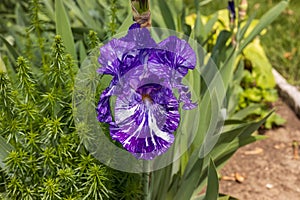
<point x="63" y="28"/>
<point x="212" y="190"/>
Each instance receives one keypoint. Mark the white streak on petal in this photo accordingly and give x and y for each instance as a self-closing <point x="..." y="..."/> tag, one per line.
<point x="123" y="114"/>
<point x="154" y="128"/>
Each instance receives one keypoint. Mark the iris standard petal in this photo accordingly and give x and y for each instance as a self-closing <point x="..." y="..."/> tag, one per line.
<point x="111" y="56"/>
<point x="140" y="36"/>
<point x="178" y="54"/>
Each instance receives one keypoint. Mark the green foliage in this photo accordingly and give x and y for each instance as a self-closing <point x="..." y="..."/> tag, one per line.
<point x="45" y="158"/>
<point x="166" y="13"/>
<point x="254" y="92"/>
<point x="42" y="152"/>
<point x="187" y="178"/>
<point x="212" y="182"/>
<point x="255" y="85"/>
<point x="26" y="81"/>
<point x="34" y="23"/>
<point x="49" y="161"/>
<point x="282" y="42"/>
<point x="5" y="148"/>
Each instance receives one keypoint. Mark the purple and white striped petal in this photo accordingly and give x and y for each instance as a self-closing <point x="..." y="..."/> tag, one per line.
<point x="111" y="56"/>
<point x="176" y="54"/>
<point x="171" y="62"/>
<point x="103" y="108"/>
<point x="145" y="121"/>
<point x="140" y="36"/>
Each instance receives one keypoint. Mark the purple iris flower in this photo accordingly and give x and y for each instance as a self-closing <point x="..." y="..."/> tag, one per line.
<point x="145" y="77"/>
<point x="231" y="8"/>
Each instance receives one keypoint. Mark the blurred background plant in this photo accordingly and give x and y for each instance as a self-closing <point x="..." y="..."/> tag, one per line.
<point x="282" y="40"/>
<point x="254" y="86"/>
<point x="42" y="44"/>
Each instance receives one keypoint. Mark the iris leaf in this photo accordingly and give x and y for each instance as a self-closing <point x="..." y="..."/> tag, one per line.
<point x="241" y="114"/>
<point x="82" y="51"/>
<point x="167" y="14"/>
<point x="49" y="9"/>
<point x="212" y="190"/>
<point x="63" y="28"/>
<point x="126" y="24"/>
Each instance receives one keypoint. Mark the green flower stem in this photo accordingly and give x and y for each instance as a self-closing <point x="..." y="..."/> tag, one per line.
<point x="146" y="181"/>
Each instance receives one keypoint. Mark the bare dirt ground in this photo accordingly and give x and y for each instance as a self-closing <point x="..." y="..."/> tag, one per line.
<point x="269" y="168"/>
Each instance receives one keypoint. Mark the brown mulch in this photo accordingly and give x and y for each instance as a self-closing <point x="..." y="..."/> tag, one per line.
<point x="268" y="169"/>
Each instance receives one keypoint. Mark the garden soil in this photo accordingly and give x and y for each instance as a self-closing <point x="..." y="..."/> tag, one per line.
<point x="267" y="169"/>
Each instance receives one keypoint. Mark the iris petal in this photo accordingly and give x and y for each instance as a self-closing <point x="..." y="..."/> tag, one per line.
<point x="111" y="56"/>
<point x="140" y="36"/>
<point x="172" y="62"/>
<point x="179" y="54"/>
<point x="103" y="108"/>
<point x="231" y="8"/>
<point x="145" y="127"/>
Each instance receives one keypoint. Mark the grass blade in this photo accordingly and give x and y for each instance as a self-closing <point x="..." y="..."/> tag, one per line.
<point x="243" y="113"/>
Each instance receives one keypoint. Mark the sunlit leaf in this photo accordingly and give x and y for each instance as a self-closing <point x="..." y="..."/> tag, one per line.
<point x="264" y="21"/>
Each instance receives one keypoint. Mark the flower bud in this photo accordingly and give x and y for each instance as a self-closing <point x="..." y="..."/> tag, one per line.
<point x="141" y="12"/>
<point x="243" y="9"/>
<point x="232" y="14"/>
